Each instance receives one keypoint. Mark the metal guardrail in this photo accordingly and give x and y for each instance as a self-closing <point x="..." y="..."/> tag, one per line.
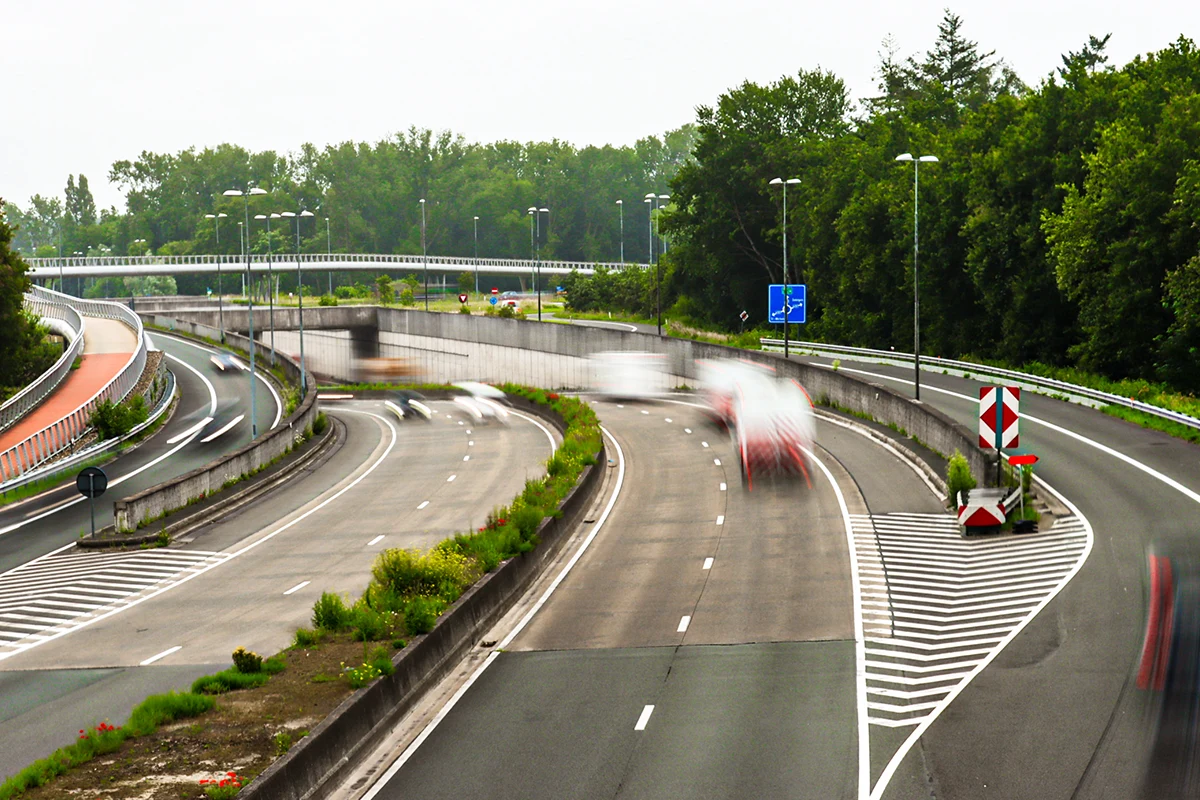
<point x="820" y="348"/>
<point x="315" y="262"/>
<point x="47" y="443"/>
<point x="24" y="401"/>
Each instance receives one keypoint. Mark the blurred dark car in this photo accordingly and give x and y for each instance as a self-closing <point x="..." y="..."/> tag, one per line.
<point x="225" y="362"/>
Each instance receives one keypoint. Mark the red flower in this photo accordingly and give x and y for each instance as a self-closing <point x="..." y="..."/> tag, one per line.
<point x="231" y="774"/>
<point x="81" y="730"/>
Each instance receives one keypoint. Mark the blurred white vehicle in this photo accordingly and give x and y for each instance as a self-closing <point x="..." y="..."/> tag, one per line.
<point x="719" y="379"/>
<point x="482" y="409"/>
<point x="477" y="389"/>
<point x="629" y="375"/>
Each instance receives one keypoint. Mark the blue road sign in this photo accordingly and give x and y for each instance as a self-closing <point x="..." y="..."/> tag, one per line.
<point x="492" y="300"/>
<point x="797" y="303"/>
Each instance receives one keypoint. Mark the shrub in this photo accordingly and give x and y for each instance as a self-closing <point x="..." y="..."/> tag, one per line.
<point x="421" y="614"/>
<point x="327" y="300"/>
<point x="464" y="309"/>
<point x="247" y="661"/>
<point x="306" y="637"/>
<point x="442" y="572"/>
<point x="320" y="423"/>
<point x="330" y="613"/>
<point x="369" y="625"/>
<point x="507" y="312"/>
<point x="274" y="665"/>
<point x="112" y="420"/>
<point x="283" y="742"/>
<point x="958" y="477"/>
<point x="407" y="298"/>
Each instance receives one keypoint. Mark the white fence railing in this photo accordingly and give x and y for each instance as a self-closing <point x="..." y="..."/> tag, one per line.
<point x="1049" y="384"/>
<point x="70" y="324"/>
<point x="309" y="262"/>
<point x="52" y="440"/>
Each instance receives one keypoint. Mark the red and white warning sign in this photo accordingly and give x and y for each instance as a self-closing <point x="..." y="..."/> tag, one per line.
<point x="999" y="416"/>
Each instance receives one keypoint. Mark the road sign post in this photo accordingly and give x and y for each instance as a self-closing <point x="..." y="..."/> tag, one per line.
<point x="462" y="298"/>
<point x="999" y="419"/>
<point x="1022" y="461"/>
<point x="796" y="305"/>
<point x="91" y="483"/>
<point x="743" y="317"/>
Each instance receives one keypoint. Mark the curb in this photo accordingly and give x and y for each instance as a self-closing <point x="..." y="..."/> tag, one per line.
<point x="318" y="762"/>
<point x="106" y="538"/>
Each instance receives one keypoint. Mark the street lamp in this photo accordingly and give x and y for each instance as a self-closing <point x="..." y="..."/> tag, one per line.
<point x="216" y="218"/>
<point x="537" y="284"/>
<point x="270" y="279"/>
<point x="916" y="162"/>
<point x="650" y="201"/>
<point x="424" y="253"/>
<point x="532" y="212"/>
<point x="621" y="210"/>
<point x="476" y="256"/>
<point x="300" y="294"/>
<point x="329" y="253"/>
<point x="245" y="195"/>
<point x="787" y="305"/>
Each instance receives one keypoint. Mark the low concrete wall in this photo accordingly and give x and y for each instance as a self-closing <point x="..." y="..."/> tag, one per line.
<point x="176" y="493"/>
<point x="314" y="765"/>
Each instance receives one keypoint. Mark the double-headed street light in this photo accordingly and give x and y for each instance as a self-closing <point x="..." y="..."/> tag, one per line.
<point x="329" y="253"/>
<point x="216" y="218"/>
<point x="245" y="195"/>
<point x="300" y="294"/>
<point x="621" y="217"/>
<point x="787" y="299"/>
<point x="536" y="213"/>
<point x="916" y="162"/>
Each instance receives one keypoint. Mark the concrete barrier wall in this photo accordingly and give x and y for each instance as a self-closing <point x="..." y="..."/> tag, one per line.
<point x="460" y="346"/>
<point x="156" y="501"/>
<point x="317" y="762"/>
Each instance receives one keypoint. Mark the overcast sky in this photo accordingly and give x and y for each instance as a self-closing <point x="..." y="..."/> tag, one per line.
<point x="87" y="83"/>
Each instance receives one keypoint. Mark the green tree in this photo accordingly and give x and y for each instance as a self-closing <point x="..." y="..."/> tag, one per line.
<point x="24" y="352"/>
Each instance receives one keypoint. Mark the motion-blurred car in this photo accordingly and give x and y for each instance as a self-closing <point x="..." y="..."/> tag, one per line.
<point x="384" y="370"/>
<point x="225" y="362"/>
<point x="409" y="405"/>
<point x="483" y="402"/>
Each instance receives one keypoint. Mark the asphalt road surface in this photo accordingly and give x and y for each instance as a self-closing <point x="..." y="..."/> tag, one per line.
<point x="251" y="580"/>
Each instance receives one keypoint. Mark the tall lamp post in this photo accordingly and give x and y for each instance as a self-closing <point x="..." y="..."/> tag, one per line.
<point x="532" y="212"/>
<point x="216" y="218"/>
<point x="476" y="256"/>
<point x="245" y="195"/>
<point x="650" y="201"/>
<point x="787" y="305"/>
<point x="657" y="267"/>
<point x="270" y="278"/>
<point x="424" y="253"/>
<point x="242" y="246"/>
<point x="621" y="217"/>
<point x="329" y="253"/>
<point x="300" y="294"/>
<point x="537" y="284"/>
<point x="916" y="162"/>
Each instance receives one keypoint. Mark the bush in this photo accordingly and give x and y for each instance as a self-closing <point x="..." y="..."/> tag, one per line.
<point x="464" y="309"/>
<point x="958" y="477"/>
<point x="306" y="637"/>
<point x="246" y="661"/>
<point x="112" y="420"/>
<point x="442" y="572"/>
<point x="330" y="613"/>
<point x="320" y="423"/>
<point x="421" y="614"/>
<point x="274" y="665"/>
<point x="407" y="298"/>
<point x="369" y="625"/>
<point x="327" y="300"/>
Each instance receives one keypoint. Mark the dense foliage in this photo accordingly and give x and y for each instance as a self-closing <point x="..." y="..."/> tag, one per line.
<point x="1060" y="225"/>
<point x="24" y="352"/>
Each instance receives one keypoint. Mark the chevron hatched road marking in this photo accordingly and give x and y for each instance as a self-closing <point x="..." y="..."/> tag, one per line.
<point x="62" y="591"/>
<point x="936" y="605"/>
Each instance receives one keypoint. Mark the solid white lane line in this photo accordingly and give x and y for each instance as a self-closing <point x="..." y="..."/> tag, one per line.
<point x="225" y="429"/>
<point x="683" y="624"/>
<point x="243" y="367"/>
<point x="451" y="479"/>
<point x="537" y="422"/>
<point x="212" y="390"/>
<point x="446" y="709"/>
<point x="644" y="718"/>
<point x="720" y="519"/>
<point x="335" y="397"/>
<point x="297" y="587"/>
<point x="192" y="431"/>
<point x="687" y="430"/>
<point x="717" y="461"/>
<point x="722" y="487"/>
<point x="375" y="541"/>
<point x="161" y="655"/>
<point x="278" y="400"/>
<point x="423" y="504"/>
<point x="708" y="562"/>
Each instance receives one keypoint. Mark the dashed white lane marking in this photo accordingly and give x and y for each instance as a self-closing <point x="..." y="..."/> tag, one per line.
<point x="644" y="718"/>
<point x="668" y="419"/>
<point x="704" y="444"/>
<point x="224" y="429"/>
<point x="423" y="504"/>
<point x="466" y="458"/>
<point x="468" y="433"/>
<point x="687" y="430"/>
<point x="460" y="422"/>
<point x="375" y="541"/>
<point x="161" y="655"/>
<point x="297" y="587"/>
<point x="683" y="624"/>
<point x="720" y="519"/>
<point x="722" y="487"/>
<point x="199" y="426"/>
<point x="645" y="412"/>
<point x="708" y="562"/>
<point x="470" y="444"/>
<point x="620" y="406"/>
<point x="717" y="461"/>
<point x="61" y="591"/>
<point x="451" y="479"/>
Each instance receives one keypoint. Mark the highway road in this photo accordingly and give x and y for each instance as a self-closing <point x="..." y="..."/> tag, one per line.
<point x="251" y="579"/>
<point x="702" y="646"/>
<point x="54" y="519"/>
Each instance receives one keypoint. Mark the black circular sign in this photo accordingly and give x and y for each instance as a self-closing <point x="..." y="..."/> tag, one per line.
<point x="91" y="481"/>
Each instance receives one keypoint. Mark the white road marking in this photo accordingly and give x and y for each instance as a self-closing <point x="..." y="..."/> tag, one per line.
<point x="375" y="541"/>
<point x="644" y="411"/>
<point x="684" y="621"/>
<point x="687" y="430"/>
<point x="620" y="406"/>
<point x="538" y="423"/>
<point x="225" y="429"/>
<point x="720" y="519"/>
<point x="722" y="487"/>
<point x="192" y="431"/>
<point x="297" y="587"/>
<point x="644" y="718"/>
<point x="468" y="433"/>
<point x="460" y="422"/>
<point x="446" y="709"/>
<point x="704" y="444"/>
<point x="161" y="655"/>
<point x="212" y="391"/>
<point x="708" y="562"/>
<point x="717" y="461"/>
<point x="335" y="397"/>
<point x="668" y="419"/>
<point x="451" y="479"/>
<point x="466" y="458"/>
<point x="423" y="504"/>
<point x="470" y="444"/>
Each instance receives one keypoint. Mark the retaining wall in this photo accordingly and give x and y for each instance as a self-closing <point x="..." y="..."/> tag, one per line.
<point x="159" y="500"/>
